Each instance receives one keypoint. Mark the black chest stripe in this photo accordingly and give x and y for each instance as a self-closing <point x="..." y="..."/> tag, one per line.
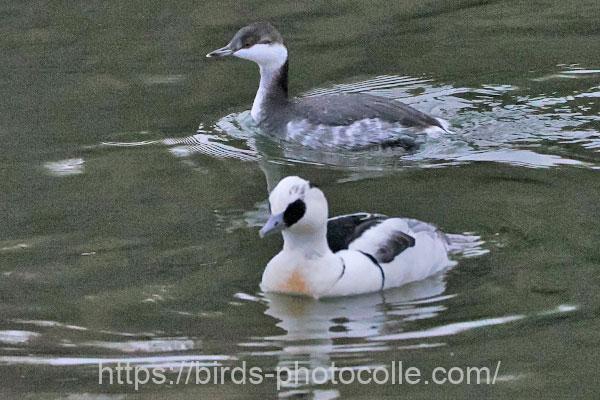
<point x="370" y="257"/>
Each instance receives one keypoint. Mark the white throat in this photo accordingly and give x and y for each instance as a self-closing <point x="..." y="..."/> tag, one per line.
<point x="270" y="58"/>
<point x="310" y="245"/>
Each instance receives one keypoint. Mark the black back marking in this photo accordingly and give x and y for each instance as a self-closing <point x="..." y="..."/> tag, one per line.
<point x="294" y="212"/>
<point x="341" y="231"/>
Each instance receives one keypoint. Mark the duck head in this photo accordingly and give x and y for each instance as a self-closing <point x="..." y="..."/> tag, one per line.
<point x="298" y="208"/>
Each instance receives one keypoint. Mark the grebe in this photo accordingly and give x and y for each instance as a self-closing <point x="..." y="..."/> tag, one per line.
<point x="349" y="121"/>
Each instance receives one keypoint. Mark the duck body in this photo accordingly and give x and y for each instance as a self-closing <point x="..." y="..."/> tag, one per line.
<point x="351" y="254"/>
<point x="350" y="121"/>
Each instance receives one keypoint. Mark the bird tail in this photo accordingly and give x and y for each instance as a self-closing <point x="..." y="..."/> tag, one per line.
<point x="445" y="125"/>
<point x="465" y="245"/>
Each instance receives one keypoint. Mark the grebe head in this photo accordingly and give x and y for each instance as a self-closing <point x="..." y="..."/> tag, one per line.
<point x="259" y="42"/>
<point x="296" y="207"/>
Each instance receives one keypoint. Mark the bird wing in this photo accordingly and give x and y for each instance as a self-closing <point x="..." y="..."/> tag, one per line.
<point x="392" y="245"/>
<point x="384" y="240"/>
<point x="367" y="233"/>
<point x="343" y="230"/>
<point x="346" y="108"/>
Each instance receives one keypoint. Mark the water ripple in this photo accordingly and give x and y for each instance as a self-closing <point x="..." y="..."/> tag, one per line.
<point x="500" y="123"/>
<point x="155" y="361"/>
<point x="72" y="166"/>
<point x="17" y="337"/>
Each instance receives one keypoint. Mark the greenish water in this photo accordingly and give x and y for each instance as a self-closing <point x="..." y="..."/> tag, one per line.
<point x="126" y="234"/>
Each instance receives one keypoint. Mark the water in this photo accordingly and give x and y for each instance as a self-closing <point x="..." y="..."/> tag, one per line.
<point x="128" y="233"/>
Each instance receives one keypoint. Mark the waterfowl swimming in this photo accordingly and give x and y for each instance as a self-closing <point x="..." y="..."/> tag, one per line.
<point x="331" y="121"/>
<point x="346" y="255"/>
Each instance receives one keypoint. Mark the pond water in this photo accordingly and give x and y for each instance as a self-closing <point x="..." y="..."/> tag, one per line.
<point x="133" y="184"/>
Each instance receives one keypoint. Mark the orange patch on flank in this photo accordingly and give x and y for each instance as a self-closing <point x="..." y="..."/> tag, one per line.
<point x="295" y="284"/>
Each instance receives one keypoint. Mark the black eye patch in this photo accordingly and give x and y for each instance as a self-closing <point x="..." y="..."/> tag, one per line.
<point x="294" y="212"/>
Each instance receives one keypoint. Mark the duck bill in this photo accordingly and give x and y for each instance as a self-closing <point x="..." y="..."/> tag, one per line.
<point x="274" y="224"/>
<point x="222" y="52"/>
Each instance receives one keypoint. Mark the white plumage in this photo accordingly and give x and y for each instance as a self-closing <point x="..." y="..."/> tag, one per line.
<point x="346" y="255"/>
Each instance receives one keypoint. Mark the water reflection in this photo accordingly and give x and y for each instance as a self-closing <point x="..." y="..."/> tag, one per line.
<point x="316" y="332"/>
<point x="348" y="331"/>
<point x="356" y="316"/>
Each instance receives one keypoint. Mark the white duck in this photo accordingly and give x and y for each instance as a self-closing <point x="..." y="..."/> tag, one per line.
<point x="346" y="255"/>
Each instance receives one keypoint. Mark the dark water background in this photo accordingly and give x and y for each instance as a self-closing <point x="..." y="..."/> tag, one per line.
<point x="124" y="234"/>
